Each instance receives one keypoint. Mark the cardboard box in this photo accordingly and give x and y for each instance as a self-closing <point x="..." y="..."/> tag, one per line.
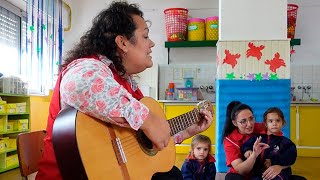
<point x="2" y="123"/>
<point x="3" y="105"/>
<point x="22" y="124"/>
<point x="11" y="108"/>
<point x="12" y="160"/>
<point x="21" y="107"/>
<point x="12" y="143"/>
<point x="4" y="143"/>
<point x="10" y="125"/>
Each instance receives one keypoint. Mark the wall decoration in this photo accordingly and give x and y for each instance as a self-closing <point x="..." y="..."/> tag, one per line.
<point x="231" y="59"/>
<point x="251" y="76"/>
<point x="274" y="76"/>
<point x="253" y="60"/>
<point x="230" y="76"/>
<point x="254" y="51"/>
<point x="276" y="62"/>
<point x="266" y="76"/>
<point x="258" y="76"/>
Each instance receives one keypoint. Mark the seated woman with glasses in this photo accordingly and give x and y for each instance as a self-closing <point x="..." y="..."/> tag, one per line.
<point x="239" y="127"/>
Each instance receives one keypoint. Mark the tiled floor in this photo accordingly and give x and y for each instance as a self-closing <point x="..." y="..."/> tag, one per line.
<point x="306" y="166"/>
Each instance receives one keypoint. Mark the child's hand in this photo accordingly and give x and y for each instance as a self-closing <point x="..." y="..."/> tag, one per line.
<point x="258" y="147"/>
<point x="247" y="153"/>
<point x="267" y="163"/>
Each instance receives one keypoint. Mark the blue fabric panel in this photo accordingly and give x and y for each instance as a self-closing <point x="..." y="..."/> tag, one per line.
<point x="259" y="95"/>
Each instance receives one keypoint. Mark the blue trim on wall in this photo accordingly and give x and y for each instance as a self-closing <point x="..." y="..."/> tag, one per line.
<point x="259" y="95"/>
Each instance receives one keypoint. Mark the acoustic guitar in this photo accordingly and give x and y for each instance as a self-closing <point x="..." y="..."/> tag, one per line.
<point x="88" y="148"/>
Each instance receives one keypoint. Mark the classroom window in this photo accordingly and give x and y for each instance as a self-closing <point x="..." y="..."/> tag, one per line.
<point x="30" y="43"/>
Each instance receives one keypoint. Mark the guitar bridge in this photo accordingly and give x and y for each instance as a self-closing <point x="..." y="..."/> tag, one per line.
<point x="119" y="151"/>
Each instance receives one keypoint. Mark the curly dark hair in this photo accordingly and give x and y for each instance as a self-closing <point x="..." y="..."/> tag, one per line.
<point x="106" y="26"/>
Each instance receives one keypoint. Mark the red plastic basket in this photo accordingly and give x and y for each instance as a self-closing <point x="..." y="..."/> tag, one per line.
<point x="292" y="12"/>
<point x="176" y="20"/>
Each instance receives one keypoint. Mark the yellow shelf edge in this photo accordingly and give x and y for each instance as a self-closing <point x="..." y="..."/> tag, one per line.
<point x="8" y="150"/>
<point x="9" y="168"/>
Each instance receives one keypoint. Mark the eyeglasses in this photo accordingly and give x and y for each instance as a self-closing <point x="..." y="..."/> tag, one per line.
<point x="244" y="122"/>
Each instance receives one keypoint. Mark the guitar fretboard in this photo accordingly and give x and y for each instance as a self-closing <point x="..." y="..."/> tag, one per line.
<point x="183" y="121"/>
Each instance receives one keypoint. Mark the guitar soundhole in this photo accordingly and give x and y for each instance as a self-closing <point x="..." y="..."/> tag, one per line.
<point x="145" y="144"/>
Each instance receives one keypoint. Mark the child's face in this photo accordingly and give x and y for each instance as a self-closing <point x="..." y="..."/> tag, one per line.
<point x="274" y="123"/>
<point x="200" y="151"/>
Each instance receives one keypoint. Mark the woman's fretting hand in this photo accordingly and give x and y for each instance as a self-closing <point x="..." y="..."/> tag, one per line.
<point x="204" y="123"/>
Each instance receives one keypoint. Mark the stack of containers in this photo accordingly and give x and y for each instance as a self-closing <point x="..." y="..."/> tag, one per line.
<point x="170" y="92"/>
<point x="196" y="30"/>
<point x="212" y="28"/>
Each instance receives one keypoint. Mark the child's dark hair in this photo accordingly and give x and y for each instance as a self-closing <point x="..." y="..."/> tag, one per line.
<point x="274" y="110"/>
<point x="199" y="138"/>
<point x="233" y="109"/>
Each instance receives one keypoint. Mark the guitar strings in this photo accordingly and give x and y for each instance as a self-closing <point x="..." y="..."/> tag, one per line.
<point x="129" y="143"/>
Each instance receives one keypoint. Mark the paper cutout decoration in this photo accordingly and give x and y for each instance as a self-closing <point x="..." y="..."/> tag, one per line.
<point x="266" y="76"/>
<point x="251" y="76"/>
<point x="274" y="76"/>
<point x="292" y="51"/>
<point x="254" y="51"/>
<point x="259" y="77"/>
<point x="275" y="63"/>
<point x="230" y="58"/>
<point x="31" y="28"/>
<point x="230" y="76"/>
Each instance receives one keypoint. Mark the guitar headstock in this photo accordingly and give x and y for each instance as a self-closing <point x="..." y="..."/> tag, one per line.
<point x="205" y="105"/>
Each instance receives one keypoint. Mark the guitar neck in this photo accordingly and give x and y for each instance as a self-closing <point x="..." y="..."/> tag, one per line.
<point x="183" y="121"/>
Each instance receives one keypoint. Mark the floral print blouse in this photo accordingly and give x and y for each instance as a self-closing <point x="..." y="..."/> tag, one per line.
<point x="88" y="85"/>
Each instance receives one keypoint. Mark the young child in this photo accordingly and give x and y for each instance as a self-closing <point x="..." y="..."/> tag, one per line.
<point x="199" y="163"/>
<point x="282" y="151"/>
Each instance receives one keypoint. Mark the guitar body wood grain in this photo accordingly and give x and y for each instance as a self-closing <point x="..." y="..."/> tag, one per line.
<point x="99" y="157"/>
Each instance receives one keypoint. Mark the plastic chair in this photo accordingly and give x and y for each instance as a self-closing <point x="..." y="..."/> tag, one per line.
<point x="29" y="148"/>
